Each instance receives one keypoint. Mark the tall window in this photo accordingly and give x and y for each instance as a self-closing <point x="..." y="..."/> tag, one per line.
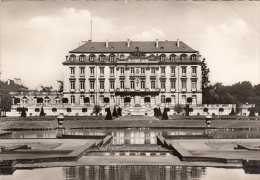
<point x="101" y="71"/>
<point x="152" y="84"/>
<point x="122" y="70"/>
<point x="183" y="99"/>
<point x="172" y="58"/>
<point x="111" y="58"/>
<point x="92" y="84"/>
<point x="152" y="70"/>
<point x="162" y="84"/>
<point x="92" y="99"/>
<point x="82" y="71"/>
<point x="112" y="71"/>
<point x="81" y="99"/>
<point x="91" y="58"/>
<point x="72" y="71"/>
<point x="82" y="58"/>
<point x="92" y="71"/>
<point x="112" y="84"/>
<point x="173" y="100"/>
<point x="72" y="99"/>
<point x="132" y="70"/>
<point x="184" y="84"/>
<point x="183" y="70"/>
<point x="193" y="58"/>
<point x="102" y="85"/>
<point x="72" y="58"/>
<point x="112" y="99"/>
<point x="183" y="56"/>
<point x="122" y="85"/>
<point x="194" y="84"/>
<point x="132" y="84"/>
<point x="163" y="70"/>
<point x="194" y="71"/>
<point x="82" y="84"/>
<point x="194" y="99"/>
<point x="101" y="98"/>
<point x="101" y="58"/>
<point x="142" y="70"/>
<point x="72" y="84"/>
<point x="162" y="58"/>
<point x="162" y="99"/>
<point x="142" y="84"/>
<point x="173" y="84"/>
<point x="173" y="70"/>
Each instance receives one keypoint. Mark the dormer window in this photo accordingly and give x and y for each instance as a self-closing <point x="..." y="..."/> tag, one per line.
<point x="112" y="58"/>
<point x="183" y="57"/>
<point x="162" y="57"/>
<point x="193" y="57"/>
<point x="172" y="57"/>
<point x="122" y="56"/>
<point x="101" y="57"/>
<point x="91" y="57"/>
<point x="72" y="57"/>
<point x="82" y="58"/>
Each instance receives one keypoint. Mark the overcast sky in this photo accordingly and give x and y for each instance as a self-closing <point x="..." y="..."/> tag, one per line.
<point x="36" y="36"/>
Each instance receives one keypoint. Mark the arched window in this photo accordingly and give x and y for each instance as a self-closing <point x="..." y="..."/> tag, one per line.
<point x="112" y="58"/>
<point x="101" y="57"/>
<point x="24" y="100"/>
<point x="72" y="99"/>
<point x="193" y="57"/>
<point x="172" y="57"/>
<point x="162" y="57"/>
<point x="72" y="57"/>
<point x="122" y="56"/>
<point x="81" y="99"/>
<point x="82" y="58"/>
<point x="16" y="100"/>
<point x="92" y="57"/>
<point x="183" y="57"/>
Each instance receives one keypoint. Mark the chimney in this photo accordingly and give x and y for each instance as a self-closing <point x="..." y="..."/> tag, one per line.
<point x="128" y="43"/>
<point x="178" y="43"/>
<point x="157" y="43"/>
<point x="106" y="43"/>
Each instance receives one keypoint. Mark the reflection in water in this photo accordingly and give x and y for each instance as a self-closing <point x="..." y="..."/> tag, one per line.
<point x="133" y="172"/>
<point x="139" y="136"/>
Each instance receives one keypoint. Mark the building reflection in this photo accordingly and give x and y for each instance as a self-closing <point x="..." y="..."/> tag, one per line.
<point x="133" y="172"/>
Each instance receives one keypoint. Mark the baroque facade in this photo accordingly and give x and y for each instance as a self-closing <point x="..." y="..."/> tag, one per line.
<point x="135" y="75"/>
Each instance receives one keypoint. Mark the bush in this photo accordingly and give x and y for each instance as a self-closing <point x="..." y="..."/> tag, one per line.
<point x="108" y="116"/>
<point x="97" y="109"/>
<point x="115" y="112"/>
<point x="165" y="115"/>
<point x="119" y="111"/>
<point x="42" y="112"/>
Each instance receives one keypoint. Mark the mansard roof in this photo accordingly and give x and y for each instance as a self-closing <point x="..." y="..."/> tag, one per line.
<point x="143" y="46"/>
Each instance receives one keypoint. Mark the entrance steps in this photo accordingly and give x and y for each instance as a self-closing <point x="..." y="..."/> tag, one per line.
<point x="138" y="110"/>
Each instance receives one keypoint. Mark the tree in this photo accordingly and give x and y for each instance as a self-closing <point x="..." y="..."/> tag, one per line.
<point x="119" y="111"/>
<point x="23" y="114"/>
<point x="232" y="112"/>
<point x="252" y="111"/>
<point x="165" y="115"/>
<point x="5" y="102"/>
<point x="108" y="116"/>
<point x="115" y="112"/>
<point x="61" y="86"/>
<point x="155" y="111"/>
<point x="205" y="74"/>
<point x="97" y="109"/>
<point x="178" y="108"/>
<point x="46" y="89"/>
<point x="42" y="112"/>
<point x="159" y="113"/>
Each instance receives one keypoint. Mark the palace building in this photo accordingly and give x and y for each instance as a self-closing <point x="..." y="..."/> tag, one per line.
<point x="134" y="75"/>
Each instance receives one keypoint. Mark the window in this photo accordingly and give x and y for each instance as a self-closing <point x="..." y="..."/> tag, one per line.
<point x="82" y="71"/>
<point x="173" y="70"/>
<point x="152" y="70"/>
<point x="92" y="71"/>
<point x="91" y="57"/>
<point x="112" y="99"/>
<point x="122" y="70"/>
<point x="101" y="71"/>
<point x="194" y="71"/>
<point x="72" y="84"/>
<point x="101" y="58"/>
<point x="92" y="99"/>
<point x="72" y="71"/>
<point x="173" y="100"/>
<point x="92" y="84"/>
<point x="183" y="70"/>
<point x="184" y="84"/>
<point x="194" y="84"/>
<point x="162" y="99"/>
<point x="142" y="84"/>
<point x="193" y="58"/>
<point x="102" y="84"/>
<point x="172" y="84"/>
<point x="112" y="84"/>
<point x="122" y="56"/>
<point x="81" y="99"/>
<point x="111" y="58"/>
<point x="162" y="58"/>
<point x="152" y="84"/>
<point x="72" y="58"/>
<point x="132" y="70"/>
<point x="72" y="99"/>
<point x="82" y="58"/>
<point x="172" y="58"/>
<point x="101" y="98"/>
<point x="122" y="84"/>
<point x="142" y="70"/>
<point x="132" y="84"/>
<point x="183" y="98"/>
<point x="82" y="84"/>
<point x="162" y="84"/>
<point x="194" y="99"/>
<point x="112" y="71"/>
<point x="163" y="70"/>
<point x="183" y="56"/>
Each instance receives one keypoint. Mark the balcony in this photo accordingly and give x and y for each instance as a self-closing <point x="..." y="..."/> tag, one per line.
<point x="193" y="89"/>
<point x="102" y="75"/>
<point x="162" y="90"/>
<point x="173" y="89"/>
<point x="82" y="75"/>
<point x="183" y="75"/>
<point x="92" y="75"/>
<point x="72" y="90"/>
<point x="112" y="75"/>
<point x="147" y="90"/>
<point x="162" y="74"/>
<point x="132" y="90"/>
<point x="82" y="90"/>
<point x="111" y="90"/>
<point x="122" y="74"/>
<point x="101" y="90"/>
<point x="72" y="75"/>
<point x="172" y="74"/>
<point x="142" y="90"/>
<point x="91" y="90"/>
<point x="194" y="74"/>
<point x="183" y="90"/>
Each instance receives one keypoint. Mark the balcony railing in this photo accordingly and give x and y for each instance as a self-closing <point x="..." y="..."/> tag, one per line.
<point x="173" y="89"/>
<point x="111" y="90"/>
<point x="92" y="75"/>
<point x="82" y="75"/>
<point x="183" y="89"/>
<point x="193" y="89"/>
<point x="72" y="90"/>
<point x="82" y="90"/>
<point x="194" y="74"/>
<point x="183" y="74"/>
<point x="91" y="90"/>
<point x="101" y="90"/>
<point x="172" y="74"/>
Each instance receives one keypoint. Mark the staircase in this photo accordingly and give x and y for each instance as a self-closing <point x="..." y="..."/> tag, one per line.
<point x="138" y="110"/>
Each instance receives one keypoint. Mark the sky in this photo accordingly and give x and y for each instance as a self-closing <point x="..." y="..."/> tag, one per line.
<point x="37" y="35"/>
